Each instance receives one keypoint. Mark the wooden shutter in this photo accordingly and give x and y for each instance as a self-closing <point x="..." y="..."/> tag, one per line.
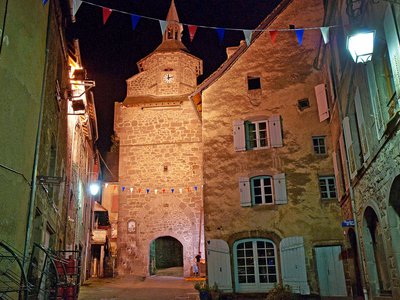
<point x="322" y="102"/>
<point x="349" y="147"/>
<point x="219" y="265"/>
<point x="247" y="128"/>
<point x="392" y="40"/>
<point x="344" y="161"/>
<point x="275" y="131"/>
<point x="361" y="125"/>
<point x="280" y="189"/>
<point x="244" y="188"/>
<point x="337" y="175"/>
<point x="293" y="264"/>
<point x="238" y="135"/>
<point x="375" y="100"/>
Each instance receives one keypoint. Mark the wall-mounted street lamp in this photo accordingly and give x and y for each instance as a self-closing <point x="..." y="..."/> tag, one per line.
<point x="94" y="188"/>
<point x="361" y="45"/>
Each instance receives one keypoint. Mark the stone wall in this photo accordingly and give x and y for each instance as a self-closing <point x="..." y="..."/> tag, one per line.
<point x="159" y="149"/>
<point x="287" y="75"/>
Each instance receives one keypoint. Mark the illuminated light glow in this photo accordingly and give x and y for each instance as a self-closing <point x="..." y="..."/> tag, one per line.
<point x="361" y="46"/>
<point x="94" y="189"/>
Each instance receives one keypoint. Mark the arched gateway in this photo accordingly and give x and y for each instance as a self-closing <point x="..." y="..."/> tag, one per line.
<point x="166" y="257"/>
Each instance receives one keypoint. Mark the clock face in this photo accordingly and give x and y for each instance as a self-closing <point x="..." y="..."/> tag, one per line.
<point x="168" y="78"/>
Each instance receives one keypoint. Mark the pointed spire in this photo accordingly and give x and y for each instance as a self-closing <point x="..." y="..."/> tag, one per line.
<point x="172" y="13"/>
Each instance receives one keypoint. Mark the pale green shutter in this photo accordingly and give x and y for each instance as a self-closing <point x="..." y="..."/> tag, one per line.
<point x="375" y="100"/>
<point x="275" y="131"/>
<point x="280" y="189"/>
<point x="392" y="40"/>
<point x="248" y="128"/>
<point x="337" y="176"/>
<point x="293" y="264"/>
<point x="219" y="265"/>
<point x="238" y="135"/>
<point x="349" y="147"/>
<point x="244" y="189"/>
<point x="361" y="125"/>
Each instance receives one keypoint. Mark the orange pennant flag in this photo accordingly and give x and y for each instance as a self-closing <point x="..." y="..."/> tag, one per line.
<point x="106" y="14"/>
<point x="273" y="34"/>
<point x="192" y="31"/>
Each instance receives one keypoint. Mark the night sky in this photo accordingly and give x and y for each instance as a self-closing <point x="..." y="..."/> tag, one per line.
<point x="110" y="51"/>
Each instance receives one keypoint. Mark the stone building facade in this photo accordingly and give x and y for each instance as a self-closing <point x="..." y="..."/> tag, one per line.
<point x="160" y="160"/>
<point x="366" y="98"/>
<point x="270" y="204"/>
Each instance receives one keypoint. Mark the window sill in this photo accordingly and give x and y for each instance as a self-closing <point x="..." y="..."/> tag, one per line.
<point x="265" y="207"/>
<point x="329" y="199"/>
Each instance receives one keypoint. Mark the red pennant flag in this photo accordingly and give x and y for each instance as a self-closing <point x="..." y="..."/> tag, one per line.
<point x="273" y="34"/>
<point x="106" y="14"/>
<point x="192" y="31"/>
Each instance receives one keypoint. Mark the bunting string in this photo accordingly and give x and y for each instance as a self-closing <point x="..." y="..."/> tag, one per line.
<point x="136" y="17"/>
<point x="145" y="191"/>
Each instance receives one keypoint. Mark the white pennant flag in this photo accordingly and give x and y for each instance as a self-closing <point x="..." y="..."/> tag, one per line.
<point x="325" y="34"/>
<point x="75" y="6"/>
<point x="247" y="36"/>
<point x="163" y="25"/>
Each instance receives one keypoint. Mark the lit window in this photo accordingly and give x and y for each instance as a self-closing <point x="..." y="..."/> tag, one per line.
<point x="327" y="187"/>
<point x="319" y="145"/>
<point x="261" y="190"/>
<point x="255" y="262"/>
<point x="253" y="83"/>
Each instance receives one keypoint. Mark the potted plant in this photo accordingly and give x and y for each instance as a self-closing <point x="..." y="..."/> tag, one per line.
<point x="281" y="292"/>
<point x="204" y="290"/>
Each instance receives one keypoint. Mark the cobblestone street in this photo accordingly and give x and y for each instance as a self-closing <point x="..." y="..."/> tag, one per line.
<point x="133" y="288"/>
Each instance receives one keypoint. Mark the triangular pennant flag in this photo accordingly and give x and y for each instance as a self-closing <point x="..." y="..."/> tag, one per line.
<point x="180" y="191"/>
<point x="221" y="33"/>
<point x="135" y="20"/>
<point x="123" y="189"/>
<point x="325" y="34"/>
<point x="140" y="190"/>
<point x="147" y="191"/>
<point x="155" y="191"/>
<point x="163" y="190"/>
<point x="106" y="185"/>
<point x="163" y="25"/>
<point x="131" y="189"/>
<point x="195" y="188"/>
<point x="172" y="190"/>
<point x="115" y="187"/>
<point x="192" y="31"/>
<point x="247" y="36"/>
<point x="299" y="34"/>
<point x="106" y="14"/>
<point x="44" y="2"/>
<point x="75" y="6"/>
<point x="273" y="34"/>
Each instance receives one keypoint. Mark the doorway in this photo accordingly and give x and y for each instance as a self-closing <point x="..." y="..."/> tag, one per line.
<point x="330" y="271"/>
<point x="356" y="284"/>
<point x="166" y="257"/>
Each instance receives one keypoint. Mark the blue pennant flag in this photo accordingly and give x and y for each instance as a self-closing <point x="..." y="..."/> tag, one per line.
<point x="135" y="19"/>
<point x="299" y="34"/>
<point x="221" y="33"/>
<point x="44" y="2"/>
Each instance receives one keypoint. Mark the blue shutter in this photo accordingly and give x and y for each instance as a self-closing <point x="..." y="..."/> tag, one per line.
<point x="392" y="40"/>
<point x="280" y="189"/>
<point x="219" y="265"/>
<point x="293" y="264"/>
<point x="238" y="135"/>
<point x="244" y="188"/>
<point x="275" y="131"/>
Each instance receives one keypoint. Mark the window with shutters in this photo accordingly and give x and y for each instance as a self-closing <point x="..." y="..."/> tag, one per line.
<point x="263" y="189"/>
<point x="327" y="187"/>
<point x="256" y="266"/>
<point x="319" y="144"/>
<point x="257" y="134"/>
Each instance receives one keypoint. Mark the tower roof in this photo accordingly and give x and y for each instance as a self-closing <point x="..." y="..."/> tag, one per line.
<point x="172" y="13"/>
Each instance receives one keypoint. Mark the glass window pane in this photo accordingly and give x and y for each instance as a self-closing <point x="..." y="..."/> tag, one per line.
<point x="268" y="199"/>
<point x="251" y="279"/>
<point x="248" y="245"/>
<point x="267" y="190"/>
<point x="257" y="191"/>
<point x="256" y="182"/>
<point x="242" y="279"/>
<point x="271" y="270"/>
<point x="271" y="278"/>
<point x="263" y="279"/>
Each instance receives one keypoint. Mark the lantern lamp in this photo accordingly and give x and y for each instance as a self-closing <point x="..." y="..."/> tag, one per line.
<point x="94" y="188"/>
<point x="361" y="45"/>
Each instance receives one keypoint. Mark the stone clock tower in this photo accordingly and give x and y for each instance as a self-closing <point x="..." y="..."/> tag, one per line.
<point x="160" y="219"/>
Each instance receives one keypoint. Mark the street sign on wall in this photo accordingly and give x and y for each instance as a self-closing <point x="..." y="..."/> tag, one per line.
<point x="348" y="223"/>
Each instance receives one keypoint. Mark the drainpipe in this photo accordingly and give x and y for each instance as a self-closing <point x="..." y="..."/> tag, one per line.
<point x="31" y="204"/>
<point x="352" y="202"/>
